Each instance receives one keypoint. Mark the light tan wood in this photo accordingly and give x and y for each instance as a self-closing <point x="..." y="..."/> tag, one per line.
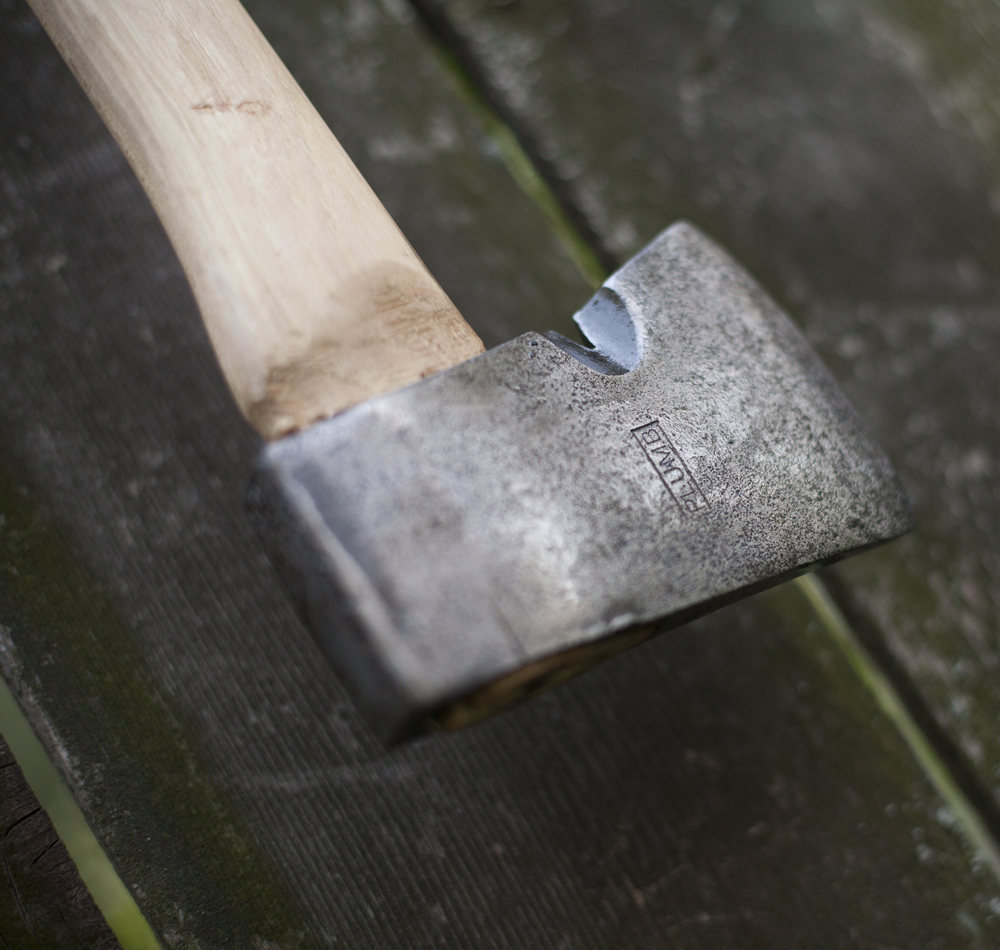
<point x="313" y="299"/>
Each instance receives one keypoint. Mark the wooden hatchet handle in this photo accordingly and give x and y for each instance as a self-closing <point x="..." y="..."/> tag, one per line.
<point x="313" y="299"/>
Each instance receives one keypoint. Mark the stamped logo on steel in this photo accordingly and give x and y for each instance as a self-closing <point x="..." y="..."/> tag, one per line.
<point x="670" y="467"/>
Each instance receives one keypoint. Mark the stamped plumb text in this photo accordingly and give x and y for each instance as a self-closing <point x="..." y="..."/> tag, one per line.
<point x="670" y="467"/>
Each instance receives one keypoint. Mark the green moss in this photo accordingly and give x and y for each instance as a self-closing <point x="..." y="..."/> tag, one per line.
<point x="523" y="170"/>
<point x="894" y="709"/>
<point x="109" y="893"/>
<point x="204" y="882"/>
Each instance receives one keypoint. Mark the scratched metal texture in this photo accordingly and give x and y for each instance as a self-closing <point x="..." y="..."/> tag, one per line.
<point x="848" y="153"/>
<point x="513" y="495"/>
<point x="730" y="784"/>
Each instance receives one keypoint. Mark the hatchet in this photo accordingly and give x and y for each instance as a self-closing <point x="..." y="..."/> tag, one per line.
<point x="461" y="529"/>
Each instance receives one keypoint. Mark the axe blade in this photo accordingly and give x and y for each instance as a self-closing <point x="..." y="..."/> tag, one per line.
<point x="495" y="528"/>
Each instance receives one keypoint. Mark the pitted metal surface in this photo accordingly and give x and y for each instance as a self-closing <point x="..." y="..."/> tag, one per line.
<point x="535" y="499"/>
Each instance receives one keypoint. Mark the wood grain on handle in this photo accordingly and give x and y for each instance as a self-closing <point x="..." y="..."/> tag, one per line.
<point x="313" y="299"/>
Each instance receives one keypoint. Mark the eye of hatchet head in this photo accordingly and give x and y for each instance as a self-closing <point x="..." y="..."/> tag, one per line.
<point x="501" y="525"/>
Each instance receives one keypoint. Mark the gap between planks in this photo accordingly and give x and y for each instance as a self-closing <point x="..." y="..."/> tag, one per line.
<point x="109" y="892"/>
<point x="896" y="711"/>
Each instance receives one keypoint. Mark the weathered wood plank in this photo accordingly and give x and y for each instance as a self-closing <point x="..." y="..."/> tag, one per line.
<point x="795" y="132"/>
<point x="43" y="902"/>
<point x="930" y="367"/>
<point x="730" y="784"/>
<point x="848" y="153"/>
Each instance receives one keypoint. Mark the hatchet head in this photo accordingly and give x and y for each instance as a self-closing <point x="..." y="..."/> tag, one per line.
<point x="461" y="543"/>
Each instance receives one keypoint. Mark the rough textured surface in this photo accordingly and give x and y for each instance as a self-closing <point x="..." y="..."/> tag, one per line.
<point x="730" y="784"/>
<point x="847" y="152"/>
<point x="525" y="503"/>
<point x="803" y="136"/>
<point x="43" y="902"/>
